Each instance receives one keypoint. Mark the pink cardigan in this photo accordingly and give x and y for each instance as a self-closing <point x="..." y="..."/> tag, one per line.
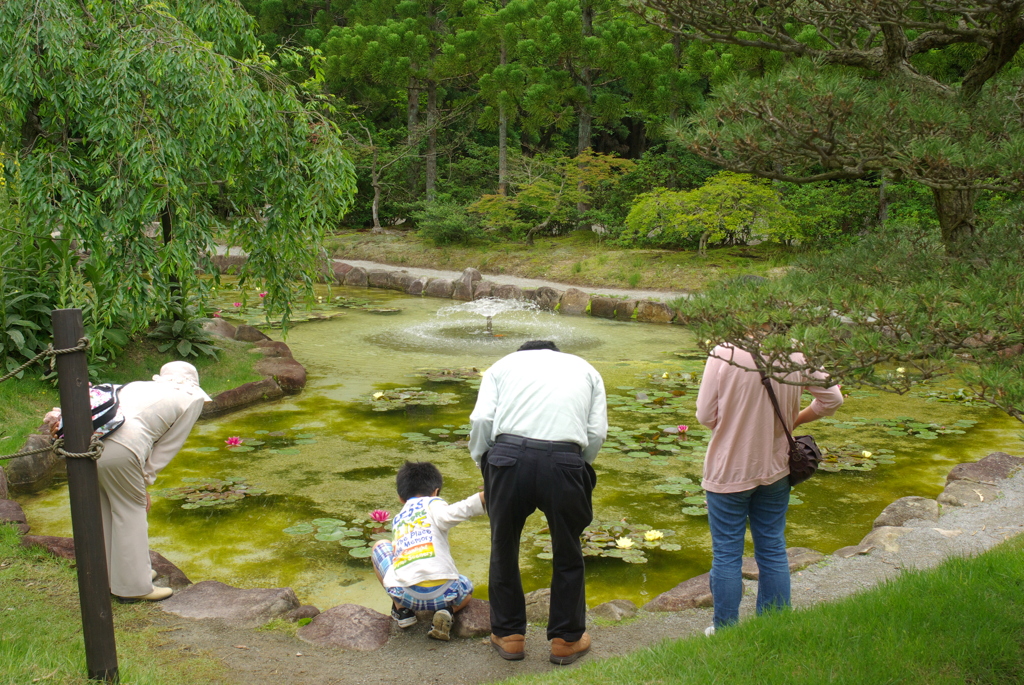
<point x="748" y="446"/>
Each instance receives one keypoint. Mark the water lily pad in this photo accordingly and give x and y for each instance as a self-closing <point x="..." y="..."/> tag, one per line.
<point x="240" y="448"/>
<point x="695" y="511"/>
<point x="545" y="555"/>
<point x="305" y="441"/>
<point x="330" y="536"/>
<point x="208" y="448"/>
<point x="696" y="499"/>
<point x="254" y="443"/>
<point x="261" y="432"/>
<point x="286" y="450"/>
<point x="352" y="542"/>
<point x="361" y="552"/>
<point x="324" y="522"/>
<point x="190" y="505"/>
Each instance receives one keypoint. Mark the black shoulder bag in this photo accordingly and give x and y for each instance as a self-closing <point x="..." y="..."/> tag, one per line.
<point x="804" y="454"/>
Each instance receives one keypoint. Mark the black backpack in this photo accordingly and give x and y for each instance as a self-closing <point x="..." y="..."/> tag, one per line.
<point x="106" y="410"/>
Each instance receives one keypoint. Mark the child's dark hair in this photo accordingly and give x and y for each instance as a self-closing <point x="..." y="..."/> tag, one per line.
<point x="417" y="479"/>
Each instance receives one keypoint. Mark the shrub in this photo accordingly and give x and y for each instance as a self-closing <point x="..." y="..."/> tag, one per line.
<point x="444" y="222"/>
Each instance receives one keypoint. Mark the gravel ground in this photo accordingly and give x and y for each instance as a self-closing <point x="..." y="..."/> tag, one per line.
<point x="265" y="657"/>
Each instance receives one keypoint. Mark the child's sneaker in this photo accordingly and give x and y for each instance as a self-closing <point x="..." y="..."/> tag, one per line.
<point x="404" y="617"/>
<point x="442" y="625"/>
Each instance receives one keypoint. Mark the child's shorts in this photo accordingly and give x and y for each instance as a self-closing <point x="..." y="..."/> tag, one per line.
<point x="418" y="597"/>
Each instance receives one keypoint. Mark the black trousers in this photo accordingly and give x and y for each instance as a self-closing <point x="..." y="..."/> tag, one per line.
<point x="520" y="476"/>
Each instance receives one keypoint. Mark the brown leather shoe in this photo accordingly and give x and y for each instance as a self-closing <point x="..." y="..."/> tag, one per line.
<point x="563" y="652"/>
<point x="510" y="647"/>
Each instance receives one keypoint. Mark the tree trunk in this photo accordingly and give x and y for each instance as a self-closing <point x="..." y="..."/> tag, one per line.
<point x="502" y="132"/>
<point x="431" y="165"/>
<point x="412" y="122"/>
<point x="375" y="181"/>
<point x="883" y="201"/>
<point x="167" y="228"/>
<point x="586" y="118"/>
<point x="955" y="209"/>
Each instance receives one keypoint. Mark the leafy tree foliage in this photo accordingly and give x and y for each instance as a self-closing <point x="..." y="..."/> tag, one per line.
<point x="888" y="313"/>
<point x="123" y="114"/>
<point x="924" y="90"/>
<point x="730" y="207"/>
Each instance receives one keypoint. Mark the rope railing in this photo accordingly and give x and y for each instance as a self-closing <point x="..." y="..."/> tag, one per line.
<point x="95" y="446"/>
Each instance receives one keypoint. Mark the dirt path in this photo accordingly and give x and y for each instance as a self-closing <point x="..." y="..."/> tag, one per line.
<point x="273" y="656"/>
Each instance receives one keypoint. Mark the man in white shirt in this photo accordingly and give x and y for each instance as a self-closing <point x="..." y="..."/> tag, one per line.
<point x="539" y="421"/>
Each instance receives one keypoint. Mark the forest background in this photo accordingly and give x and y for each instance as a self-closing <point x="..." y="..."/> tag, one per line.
<point x="880" y="145"/>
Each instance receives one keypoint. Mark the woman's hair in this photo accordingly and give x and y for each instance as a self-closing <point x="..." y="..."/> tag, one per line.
<point x="417" y="479"/>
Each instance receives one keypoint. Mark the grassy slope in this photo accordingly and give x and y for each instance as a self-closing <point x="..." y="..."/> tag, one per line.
<point x="960" y="623"/>
<point x="578" y="259"/>
<point x="41" y="629"/>
<point x="24" y="402"/>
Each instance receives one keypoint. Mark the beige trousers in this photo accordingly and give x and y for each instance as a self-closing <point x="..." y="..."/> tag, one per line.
<point x="125" y="529"/>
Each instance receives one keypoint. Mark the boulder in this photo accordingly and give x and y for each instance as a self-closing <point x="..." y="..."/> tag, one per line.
<point x="3" y="484"/>
<point x="689" y="594"/>
<point x="573" y="302"/>
<point x="400" y="281"/>
<point x="463" y="289"/>
<point x="243" y="396"/>
<point x="996" y="466"/>
<point x="219" y="328"/>
<point x="356" y="277"/>
<point x="508" y="291"/>
<point x="35" y="471"/>
<point x="274" y="348"/>
<point x="1011" y="351"/>
<point x="907" y="508"/>
<point x="965" y="493"/>
<point x="852" y="550"/>
<point x="247" y="608"/>
<point x="439" y="287"/>
<point x="247" y="333"/>
<point x="378" y="278"/>
<point x="11" y="512"/>
<point x="538" y="605"/>
<point x="167" y="574"/>
<point x="885" y="538"/>
<point x="304" y="611"/>
<point x="348" y="626"/>
<point x="615" y="610"/>
<point x="417" y="286"/>
<point x="483" y="289"/>
<point x="529" y="294"/>
<point x="653" y="312"/>
<point x="229" y="263"/>
<point x="340" y="270"/>
<point x="624" y="310"/>
<point x="288" y="373"/>
<point x="799" y="558"/>
<point x="474" y="620"/>
<point x="603" y="307"/>
<point x="547" y="298"/>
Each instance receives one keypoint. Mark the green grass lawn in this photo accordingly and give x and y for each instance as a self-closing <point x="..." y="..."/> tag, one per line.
<point x="579" y="258"/>
<point x="41" y="629"/>
<point x="960" y="623"/>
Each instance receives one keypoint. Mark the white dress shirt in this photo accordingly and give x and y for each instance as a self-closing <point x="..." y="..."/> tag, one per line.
<point x="540" y="394"/>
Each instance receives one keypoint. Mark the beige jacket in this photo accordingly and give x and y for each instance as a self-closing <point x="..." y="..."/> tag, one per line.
<point x="158" y="418"/>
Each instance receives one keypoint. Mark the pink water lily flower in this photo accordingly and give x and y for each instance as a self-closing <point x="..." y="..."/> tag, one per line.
<point x="263" y="294"/>
<point x="683" y="429"/>
<point x="238" y="304"/>
<point x="233" y="441"/>
<point x="380" y="516"/>
<point x="216" y="314"/>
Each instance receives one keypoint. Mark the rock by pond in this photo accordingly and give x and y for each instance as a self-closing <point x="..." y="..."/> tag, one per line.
<point x="615" y="610"/>
<point x="212" y="599"/>
<point x="908" y="508"/>
<point x="348" y="626"/>
<point x="689" y="594"/>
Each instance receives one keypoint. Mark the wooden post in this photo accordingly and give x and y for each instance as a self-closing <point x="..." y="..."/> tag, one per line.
<point x="84" y="492"/>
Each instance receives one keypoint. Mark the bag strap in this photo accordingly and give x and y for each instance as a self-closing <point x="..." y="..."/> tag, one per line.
<point x="767" y="382"/>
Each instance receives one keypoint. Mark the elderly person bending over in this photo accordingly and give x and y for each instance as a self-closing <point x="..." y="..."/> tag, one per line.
<point x="159" y="415"/>
<point x="746" y="473"/>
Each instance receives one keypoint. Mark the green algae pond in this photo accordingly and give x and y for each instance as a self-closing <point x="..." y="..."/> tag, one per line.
<point x="282" y="494"/>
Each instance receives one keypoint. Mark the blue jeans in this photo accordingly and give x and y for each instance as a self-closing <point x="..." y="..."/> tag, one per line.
<point x="765" y="507"/>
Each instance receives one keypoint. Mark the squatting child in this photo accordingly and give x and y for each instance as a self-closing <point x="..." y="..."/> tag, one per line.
<point x="417" y="570"/>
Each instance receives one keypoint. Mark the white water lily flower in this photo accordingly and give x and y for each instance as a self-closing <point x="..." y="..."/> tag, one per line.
<point x="624" y="543"/>
<point x="653" y="535"/>
<point x="378" y="395"/>
<point x="865" y="454"/>
<point x="901" y="370"/>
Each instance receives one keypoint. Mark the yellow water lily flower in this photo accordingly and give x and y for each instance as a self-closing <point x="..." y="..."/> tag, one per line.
<point x="665" y="375"/>
<point x="901" y="370"/>
<point x="378" y="395"/>
<point x="653" y="535"/>
<point x="865" y="454"/>
<point x="624" y="543"/>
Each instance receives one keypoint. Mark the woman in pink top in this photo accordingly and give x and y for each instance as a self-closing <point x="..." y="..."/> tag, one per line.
<point x="746" y="472"/>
